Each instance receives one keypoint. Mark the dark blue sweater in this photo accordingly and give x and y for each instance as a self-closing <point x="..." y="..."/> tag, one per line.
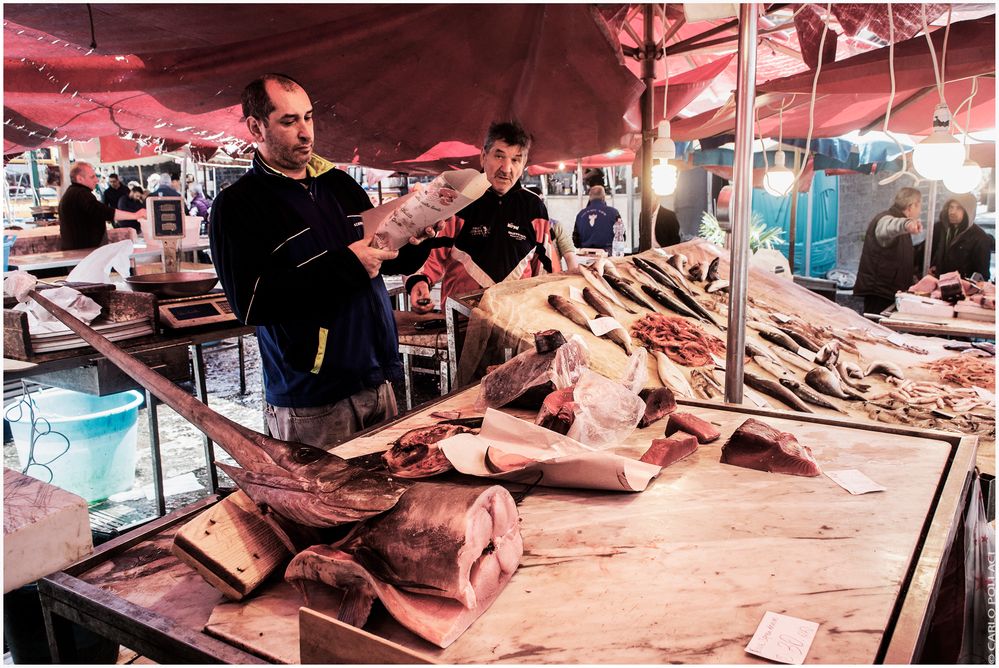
<point x="325" y="329"/>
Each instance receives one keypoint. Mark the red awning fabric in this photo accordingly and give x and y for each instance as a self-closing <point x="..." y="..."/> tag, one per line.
<point x="854" y="94"/>
<point x="388" y="81"/>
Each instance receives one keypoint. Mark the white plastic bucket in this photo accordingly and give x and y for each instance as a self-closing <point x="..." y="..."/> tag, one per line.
<point x="101" y="434"/>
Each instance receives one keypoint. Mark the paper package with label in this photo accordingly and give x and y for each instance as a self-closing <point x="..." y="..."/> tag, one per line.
<point x="395" y="222"/>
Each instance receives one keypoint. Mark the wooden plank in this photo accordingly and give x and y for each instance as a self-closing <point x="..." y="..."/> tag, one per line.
<point x="326" y="640"/>
<point x="231" y="546"/>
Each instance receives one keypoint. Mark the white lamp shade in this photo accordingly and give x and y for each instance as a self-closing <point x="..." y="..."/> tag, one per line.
<point x="964" y="179"/>
<point x="664" y="177"/>
<point x="937" y="155"/>
<point x="778" y="182"/>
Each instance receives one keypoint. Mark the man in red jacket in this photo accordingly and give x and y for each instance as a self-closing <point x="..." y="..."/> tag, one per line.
<point x="500" y="236"/>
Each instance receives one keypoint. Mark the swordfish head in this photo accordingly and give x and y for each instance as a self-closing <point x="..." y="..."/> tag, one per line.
<point x="313" y="487"/>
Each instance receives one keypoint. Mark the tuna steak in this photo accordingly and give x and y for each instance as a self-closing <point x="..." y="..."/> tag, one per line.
<point x="702" y="429"/>
<point x="659" y="402"/>
<point x="757" y="445"/>
<point x="558" y="411"/>
<point x="669" y="450"/>
<point x="436" y="562"/>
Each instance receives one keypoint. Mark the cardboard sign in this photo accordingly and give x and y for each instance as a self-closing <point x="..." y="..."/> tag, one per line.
<point x="782" y="638"/>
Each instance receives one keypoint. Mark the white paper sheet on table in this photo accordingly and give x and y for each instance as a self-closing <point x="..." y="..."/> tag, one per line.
<point x="562" y="461"/>
<point x="395" y="222"/>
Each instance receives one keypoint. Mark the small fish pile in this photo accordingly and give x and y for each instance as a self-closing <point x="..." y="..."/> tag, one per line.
<point x="682" y="341"/>
<point x="932" y="395"/>
<point x="965" y="370"/>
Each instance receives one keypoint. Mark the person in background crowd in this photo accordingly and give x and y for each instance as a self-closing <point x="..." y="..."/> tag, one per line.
<point x="595" y="223"/>
<point x="887" y="261"/>
<point x="175" y="182"/>
<point x="133" y="202"/>
<point x="561" y="240"/>
<point x="152" y="183"/>
<point x="83" y="219"/>
<point x="500" y="236"/>
<point x="286" y="240"/>
<point x="115" y="191"/>
<point x="165" y="189"/>
<point x="199" y="204"/>
<point x="958" y="243"/>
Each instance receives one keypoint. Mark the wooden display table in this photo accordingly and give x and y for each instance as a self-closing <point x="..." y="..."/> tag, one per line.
<point x="959" y="327"/>
<point x="682" y="572"/>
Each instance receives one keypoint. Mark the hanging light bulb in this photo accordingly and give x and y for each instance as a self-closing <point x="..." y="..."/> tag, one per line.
<point x="940" y="153"/>
<point x="779" y="179"/>
<point x="964" y="179"/>
<point x="664" y="174"/>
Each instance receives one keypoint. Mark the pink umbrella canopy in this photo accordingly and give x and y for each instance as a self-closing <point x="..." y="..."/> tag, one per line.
<point x="388" y="82"/>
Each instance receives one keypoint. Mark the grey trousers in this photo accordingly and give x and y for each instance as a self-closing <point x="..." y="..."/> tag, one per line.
<point x="327" y="426"/>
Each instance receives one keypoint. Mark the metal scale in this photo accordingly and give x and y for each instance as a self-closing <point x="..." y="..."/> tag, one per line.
<point x="189" y="311"/>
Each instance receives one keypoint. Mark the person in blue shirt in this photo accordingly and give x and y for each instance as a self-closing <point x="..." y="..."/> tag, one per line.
<point x="595" y="224"/>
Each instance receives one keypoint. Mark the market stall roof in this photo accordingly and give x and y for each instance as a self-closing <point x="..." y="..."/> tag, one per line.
<point x="388" y="81"/>
<point x="853" y="94"/>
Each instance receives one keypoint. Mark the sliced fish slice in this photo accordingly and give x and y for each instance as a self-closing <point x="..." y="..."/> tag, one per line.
<point x="757" y="445"/>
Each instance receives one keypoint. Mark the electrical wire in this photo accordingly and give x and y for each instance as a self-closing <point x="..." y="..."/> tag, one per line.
<point x="933" y="52"/>
<point x="815" y="84"/>
<point x="891" y="100"/>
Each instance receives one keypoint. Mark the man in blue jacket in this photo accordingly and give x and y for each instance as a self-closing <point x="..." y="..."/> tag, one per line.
<point x="288" y="244"/>
<point x="595" y="224"/>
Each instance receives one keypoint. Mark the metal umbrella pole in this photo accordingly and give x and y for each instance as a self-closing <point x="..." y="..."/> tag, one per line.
<point x="742" y="197"/>
<point x="931" y="208"/>
<point x="648" y="131"/>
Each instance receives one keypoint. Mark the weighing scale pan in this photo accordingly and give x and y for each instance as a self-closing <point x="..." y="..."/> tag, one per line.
<point x="174" y="284"/>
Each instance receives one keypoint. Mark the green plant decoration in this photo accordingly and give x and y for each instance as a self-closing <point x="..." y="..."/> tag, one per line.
<point x="760" y="236"/>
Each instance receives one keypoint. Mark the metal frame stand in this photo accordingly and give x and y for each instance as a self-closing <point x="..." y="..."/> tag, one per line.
<point x="201" y="392"/>
<point x="155" y="453"/>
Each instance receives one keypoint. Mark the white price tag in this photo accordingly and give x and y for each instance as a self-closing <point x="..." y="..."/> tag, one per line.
<point x="781" y="318"/>
<point x="807" y="354"/>
<point x="755" y="398"/>
<point x="601" y="326"/>
<point x="576" y="295"/>
<point x="719" y="362"/>
<point x="897" y="339"/>
<point x="854" y="481"/>
<point x="782" y="638"/>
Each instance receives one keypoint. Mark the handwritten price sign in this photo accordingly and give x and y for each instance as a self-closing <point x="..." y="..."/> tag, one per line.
<point x="782" y="638"/>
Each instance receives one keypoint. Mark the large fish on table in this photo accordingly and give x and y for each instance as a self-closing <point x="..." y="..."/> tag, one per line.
<point x="628" y="290"/>
<point x="437" y="562"/>
<point x="299" y="482"/>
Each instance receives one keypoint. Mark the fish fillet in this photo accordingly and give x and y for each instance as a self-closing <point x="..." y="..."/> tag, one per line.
<point x="757" y="445"/>
<point x="702" y="429"/>
<point x="669" y="450"/>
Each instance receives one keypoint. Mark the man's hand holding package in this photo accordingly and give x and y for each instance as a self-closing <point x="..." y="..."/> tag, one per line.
<point x="428" y="233"/>
<point x="371" y="258"/>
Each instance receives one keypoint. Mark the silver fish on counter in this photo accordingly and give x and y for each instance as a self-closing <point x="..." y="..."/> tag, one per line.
<point x="794" y="360"/>
<point x="626" y="289"/>
<point x="886" y="368"/>
<point x="775" y="390"/>
<point x="828" y="354"/>
<point x="572" y="312"/>
<point x="712" y="273"/>
<point x="666" y="300"/>
<point x="804" y="393"/>
<point x="825" y="381"/>
<point x="678" y="261"/>
<point x="671" y="375"/>
<point x="705" y="385"/>
<point x="719" y="285"/>
<point x="848" y="371"/>
<point x="602" y="286"/>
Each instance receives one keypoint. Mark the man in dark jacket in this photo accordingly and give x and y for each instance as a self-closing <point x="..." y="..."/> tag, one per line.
<point x="116" y="190"/>
<point x="887" y="260"/>
<point x="83" y="219"/>
<point x="288" y="244"/>
<point x="958" y="244"/>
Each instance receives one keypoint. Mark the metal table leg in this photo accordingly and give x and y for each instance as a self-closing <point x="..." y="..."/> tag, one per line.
<point x="242" y="365"/>
<point x="201" y="391"/>
<point x="156" y="455"/>
<point x="263" y="402"/>
<point x="407" y="372"/>
<point x="443" y="365"/>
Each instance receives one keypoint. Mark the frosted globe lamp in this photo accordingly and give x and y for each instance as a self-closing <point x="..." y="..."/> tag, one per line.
<point x="664" y="178"/>
<point x="779" y="180"/>
<point x="964" y="179"/>
<point x="940" y="153"/>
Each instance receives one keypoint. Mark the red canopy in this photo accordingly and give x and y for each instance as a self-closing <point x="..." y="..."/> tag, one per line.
<point x="853" y="94"/>
<point x="388" y="81"/>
